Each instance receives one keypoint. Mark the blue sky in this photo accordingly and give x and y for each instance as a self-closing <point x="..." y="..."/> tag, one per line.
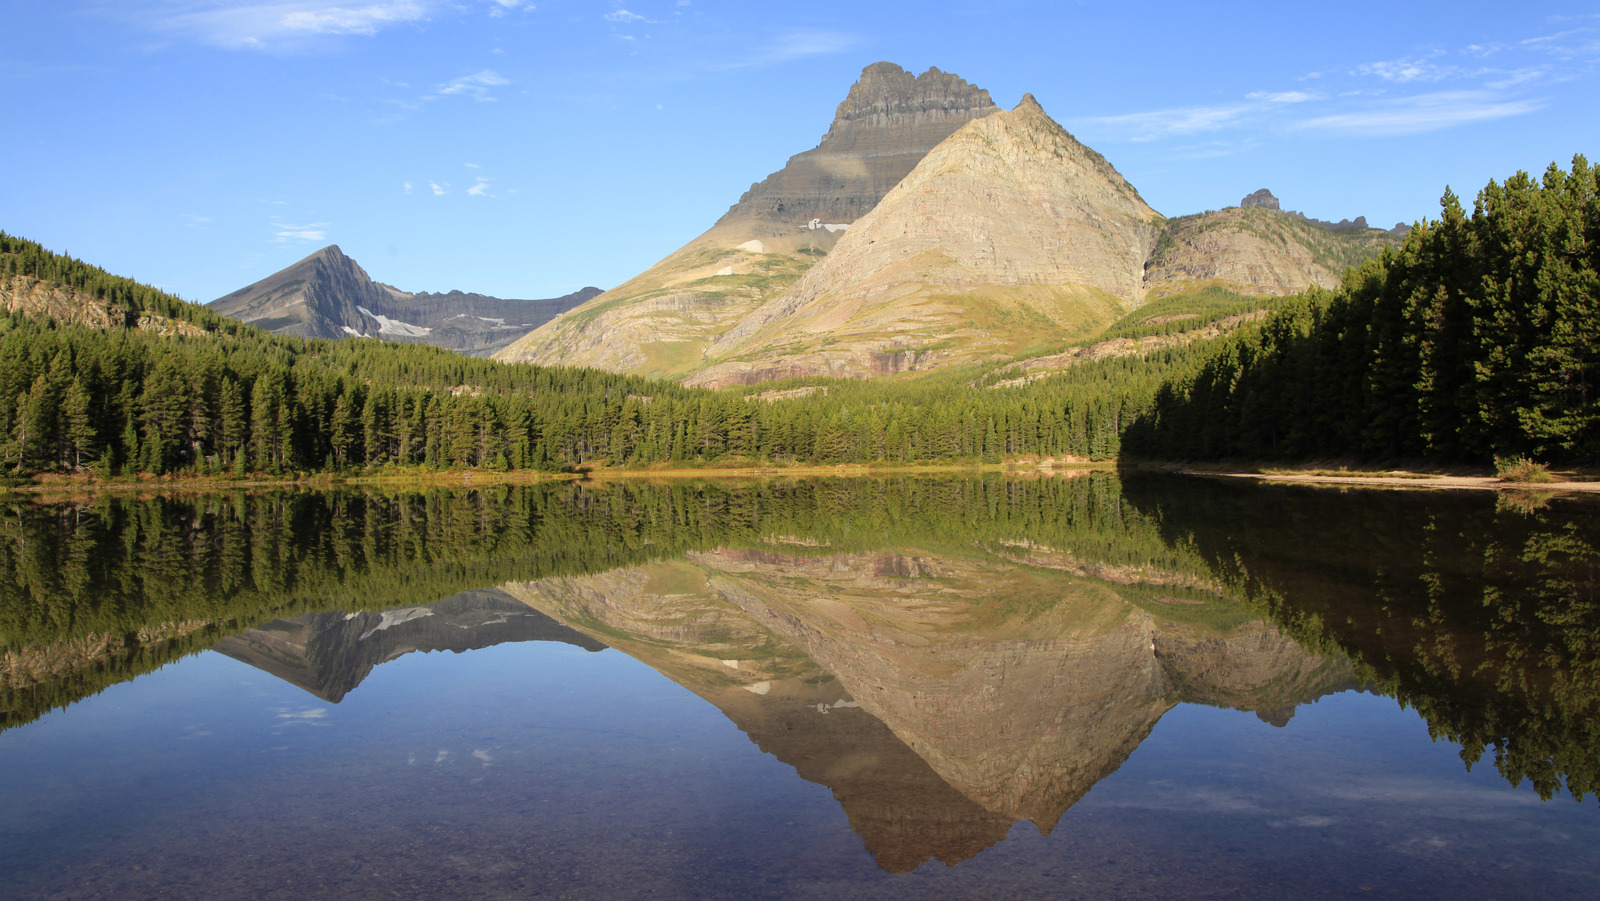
<point x="528" y="149"/>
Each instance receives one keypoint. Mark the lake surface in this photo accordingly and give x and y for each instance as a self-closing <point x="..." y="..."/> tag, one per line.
<point x="858" y="688"/>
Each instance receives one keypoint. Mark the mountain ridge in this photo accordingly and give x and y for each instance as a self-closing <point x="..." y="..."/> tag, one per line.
<point x="1028" y="255"/>
<point x="1010" y="218"/>
<point x="327" y="294"/>
<point x="661" y="321"/>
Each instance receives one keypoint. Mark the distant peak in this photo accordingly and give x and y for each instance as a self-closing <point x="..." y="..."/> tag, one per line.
<point x="1028" y="103"/>
<point x="1262" y="198"/>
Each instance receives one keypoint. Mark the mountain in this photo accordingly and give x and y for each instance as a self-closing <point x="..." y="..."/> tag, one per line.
<point x="931" y="229"/>
<point x="329" y="295"/>
<point x="1009" y="231"/>
<point x="662" y="321"/>
<point x="1255" y="248"/>
<point x="329" y="654"/>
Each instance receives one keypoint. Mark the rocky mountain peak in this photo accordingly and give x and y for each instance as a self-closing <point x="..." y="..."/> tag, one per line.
<point x="329" y="295"/>
<point x="886" y="124"/>
<point x="1262" y="198"/>
<point x="887" y="95"/>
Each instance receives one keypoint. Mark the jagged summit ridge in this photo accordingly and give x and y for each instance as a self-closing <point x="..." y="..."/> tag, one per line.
<point x="329" y="295"/>
<point x="887" y="96"/>
<point x="887" y="122"/>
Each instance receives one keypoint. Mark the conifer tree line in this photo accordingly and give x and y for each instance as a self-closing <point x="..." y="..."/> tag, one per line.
<point x="1478" y="338"/>
<point x="230" y="398"/>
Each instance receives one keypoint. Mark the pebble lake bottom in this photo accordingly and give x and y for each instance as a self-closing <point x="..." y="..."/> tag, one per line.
<point x="540" y="770"/>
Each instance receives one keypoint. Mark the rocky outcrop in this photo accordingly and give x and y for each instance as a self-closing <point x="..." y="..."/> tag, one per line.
<point x="35" y="297"/>
<point x="1009" y="233"/>
<point x="883" y="128"/>
<point x="1256" y="250"/>
<point x="1261" y="199"/>
<point x="663" y="321"/>
<point x="329" y="295"/>
<point x="329" y="654"/>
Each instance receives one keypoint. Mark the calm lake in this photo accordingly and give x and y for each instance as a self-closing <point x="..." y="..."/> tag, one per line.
<point x="851" y="688"/>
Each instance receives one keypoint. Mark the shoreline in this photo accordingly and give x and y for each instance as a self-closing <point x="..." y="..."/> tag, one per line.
<point x="1398" y="479"/>
<point x="474" y="478"/>
<point x="1415" y="481"/>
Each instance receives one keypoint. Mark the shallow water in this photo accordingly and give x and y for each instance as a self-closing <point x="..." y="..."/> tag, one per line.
<point x="991" y="689"/>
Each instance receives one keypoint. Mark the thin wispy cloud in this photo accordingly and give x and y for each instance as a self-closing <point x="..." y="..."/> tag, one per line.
<point x="478" y="86"/>
<point x="438" y="189"/>
<point x="480" y="188"/>
<point x="284" y="233"/>
<point x="1423" y="113"/>
<point x="795" y="45"/>
<point x="290" y="25"/>
<point x="623" y="16"/>
<point x="498" y="8"/>
<point x="1415" y="94"/>
<point x="1283" y="96"/>
<point x="1409" y="69"/>
<point x="283" y="24"/>
<point x="1194" y="120"/>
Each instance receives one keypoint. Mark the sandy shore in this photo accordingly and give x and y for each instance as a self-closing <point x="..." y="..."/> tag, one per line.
<point x="1411" y="481"/>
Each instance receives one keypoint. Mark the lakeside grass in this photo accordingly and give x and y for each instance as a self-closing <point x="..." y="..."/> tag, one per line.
<point x="1421" y="476"/>
<point x="56" y="483"/>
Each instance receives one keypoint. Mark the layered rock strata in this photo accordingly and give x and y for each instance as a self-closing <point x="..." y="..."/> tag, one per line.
<point x="883" y="128"/>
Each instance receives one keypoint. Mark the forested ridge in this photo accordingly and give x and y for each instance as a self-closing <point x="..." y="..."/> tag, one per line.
<point x="227" y="398"/>
<point x="1478" y="338"/>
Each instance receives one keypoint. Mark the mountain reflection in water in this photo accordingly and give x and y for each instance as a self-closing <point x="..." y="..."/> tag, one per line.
<point x="941" y="698"/>
<point x="947" y="656"/>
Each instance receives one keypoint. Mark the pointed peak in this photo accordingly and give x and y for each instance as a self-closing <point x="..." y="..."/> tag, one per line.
<point x="331" y="253"/>
<point x="1029" y="104"/>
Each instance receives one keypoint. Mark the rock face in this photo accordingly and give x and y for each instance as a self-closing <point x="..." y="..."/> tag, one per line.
<point x="662" y="321"/>
<point x="1007" y="230"/>
<point x="35" y="297"/>
<point x="1256" y="250"/>
<point x="1261" y="199"/>
<point x="328" y="295"/>
<point x="885" y="126"/>
<point x="329" y="654"/>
